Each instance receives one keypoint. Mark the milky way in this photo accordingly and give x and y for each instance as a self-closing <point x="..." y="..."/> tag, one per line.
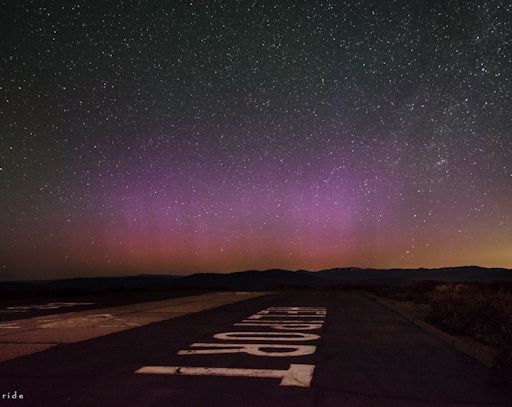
<point x="178" y="137"/>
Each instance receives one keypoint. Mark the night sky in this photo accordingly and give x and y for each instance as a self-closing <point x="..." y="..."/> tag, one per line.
<point x="198" y="136"/>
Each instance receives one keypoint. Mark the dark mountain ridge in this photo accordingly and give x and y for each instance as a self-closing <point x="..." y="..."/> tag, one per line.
<point x="272" y="279"/>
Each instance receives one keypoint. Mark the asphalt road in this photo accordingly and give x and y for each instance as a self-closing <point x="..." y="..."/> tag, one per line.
<point x="358" y="354"/>
<point x="23" y="308"/>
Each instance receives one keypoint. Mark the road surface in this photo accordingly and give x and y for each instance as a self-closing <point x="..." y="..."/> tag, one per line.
<point x="23" y="308"/>
<point x="311" y="348"/>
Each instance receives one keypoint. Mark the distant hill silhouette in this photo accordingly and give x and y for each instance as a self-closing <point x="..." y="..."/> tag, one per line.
<point x="447" y="274"/>
<point x="273" y="279"/>
<point x="85" y="285"/>
<point x="250" y="280"/>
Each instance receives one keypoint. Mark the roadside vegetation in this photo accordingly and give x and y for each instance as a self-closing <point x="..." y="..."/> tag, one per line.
<point x="482" y="312"/>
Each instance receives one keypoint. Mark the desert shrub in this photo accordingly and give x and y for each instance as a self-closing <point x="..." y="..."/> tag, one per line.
<point x="380" y="290"/>
<point x="418" y="292"/>
<point x="481" y="312"/>
<point x="470" y="310"/>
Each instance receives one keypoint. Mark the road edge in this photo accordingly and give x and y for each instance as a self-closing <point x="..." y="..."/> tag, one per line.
<point x="474" y="350"/>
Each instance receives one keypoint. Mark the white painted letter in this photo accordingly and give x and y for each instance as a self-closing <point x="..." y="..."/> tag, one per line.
<point x="283" y="327"/>
<point x="262" y="336"/>
<point x="251" y="349"/>
<point x="296" y="375"/>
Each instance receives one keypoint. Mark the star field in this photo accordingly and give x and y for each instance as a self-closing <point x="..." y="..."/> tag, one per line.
<point x="184" y="136"/>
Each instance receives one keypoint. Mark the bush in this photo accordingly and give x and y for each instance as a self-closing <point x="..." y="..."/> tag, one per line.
<point x="472" y="310"/>
<point x="417" y="292"/>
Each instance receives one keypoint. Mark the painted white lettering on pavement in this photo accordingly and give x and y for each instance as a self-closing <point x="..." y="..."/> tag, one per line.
<point x="283" y="327"/>
<point x="261" y="336"/>
<point x="251" y="349"/>
<point x="297" y="375"/>
<point x="282" y="320"/>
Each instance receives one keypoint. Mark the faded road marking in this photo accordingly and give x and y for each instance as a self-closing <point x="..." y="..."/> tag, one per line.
<point x="9" y="325"/>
